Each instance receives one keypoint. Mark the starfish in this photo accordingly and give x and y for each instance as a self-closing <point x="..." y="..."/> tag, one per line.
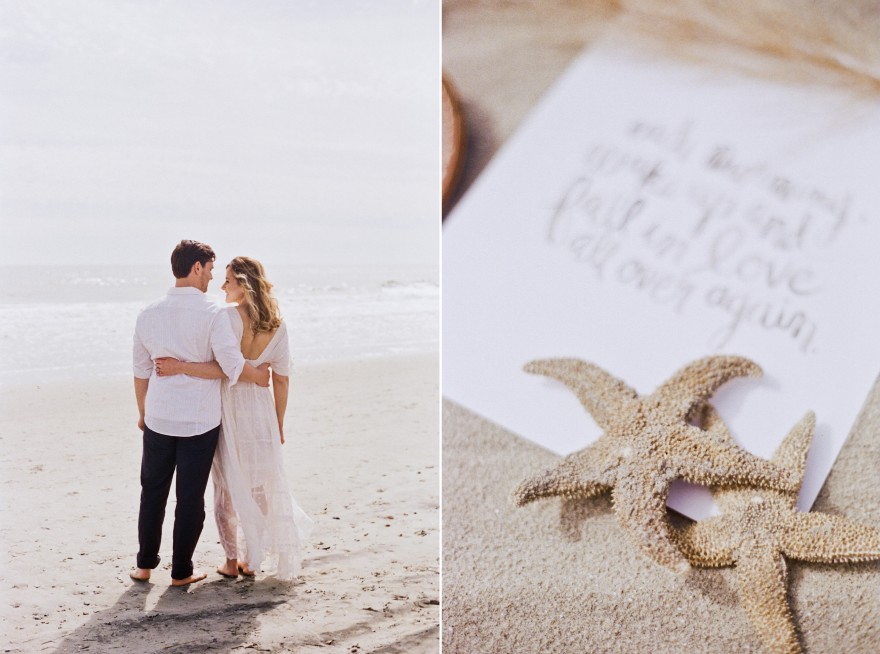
<point x="648" y="443"/>
<point x="759" y="529"/>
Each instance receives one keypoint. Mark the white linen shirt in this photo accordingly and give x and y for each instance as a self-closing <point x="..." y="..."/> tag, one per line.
<point x="185" y="325"/>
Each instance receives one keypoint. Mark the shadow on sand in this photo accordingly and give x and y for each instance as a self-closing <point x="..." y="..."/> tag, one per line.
<point x="215" y="615"/>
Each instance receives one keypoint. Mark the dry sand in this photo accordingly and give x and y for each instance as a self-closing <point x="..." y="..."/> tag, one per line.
<point x="362" y="459"/>
<point x="561" y="576"/>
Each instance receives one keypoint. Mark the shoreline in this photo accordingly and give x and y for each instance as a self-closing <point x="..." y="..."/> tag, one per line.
<point x="362" y="459"/>
<point x="9" y="382"/>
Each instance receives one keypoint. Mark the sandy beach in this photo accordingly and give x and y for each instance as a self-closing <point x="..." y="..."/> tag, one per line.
<point x="362" y="459"/>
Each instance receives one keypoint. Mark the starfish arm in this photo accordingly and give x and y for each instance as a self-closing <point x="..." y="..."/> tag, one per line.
<point x="601" y="393"/>
<point x="711" y="462"/>
<point x="707" y="418"/>
<point x="697" y="381"/>
<point x="792" y="452"/>
<point x="763" y="593"/>
<point x="586" y="473"/>
<point x="705" y="543"/>
<point x="822" y="538"/>
<point x="640" y="504"/>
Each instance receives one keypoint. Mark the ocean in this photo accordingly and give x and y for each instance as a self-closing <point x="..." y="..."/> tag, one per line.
<point x="76" y="322"/>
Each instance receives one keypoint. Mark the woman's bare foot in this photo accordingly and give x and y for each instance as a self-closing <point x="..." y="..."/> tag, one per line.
<point x="246" y="571"/>
<point x="229" y="569"/>
<point x="140" y="574"/>
<point x="197" y="575"/>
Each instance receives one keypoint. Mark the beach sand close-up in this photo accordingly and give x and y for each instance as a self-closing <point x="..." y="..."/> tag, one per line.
<point x="361" y="458"/>
<point x="561" y="576"/>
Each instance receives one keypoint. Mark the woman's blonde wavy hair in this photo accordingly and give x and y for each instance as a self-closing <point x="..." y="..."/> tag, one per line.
<point x="261" y="305"/>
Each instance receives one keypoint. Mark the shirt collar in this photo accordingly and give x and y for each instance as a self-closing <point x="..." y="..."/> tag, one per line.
<point x="184" y="290"/>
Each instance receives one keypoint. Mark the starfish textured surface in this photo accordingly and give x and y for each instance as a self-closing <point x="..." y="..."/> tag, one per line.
<point x="759" y="529"/>
<point x="647" y="443"/>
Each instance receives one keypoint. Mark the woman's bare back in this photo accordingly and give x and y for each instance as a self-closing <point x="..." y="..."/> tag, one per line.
<point x="253" y="345"/>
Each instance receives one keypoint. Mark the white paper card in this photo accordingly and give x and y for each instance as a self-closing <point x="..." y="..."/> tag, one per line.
<point x="650" y="213"/>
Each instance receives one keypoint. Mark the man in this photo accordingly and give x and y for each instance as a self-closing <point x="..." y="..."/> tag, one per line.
<point x="180" y="415"/>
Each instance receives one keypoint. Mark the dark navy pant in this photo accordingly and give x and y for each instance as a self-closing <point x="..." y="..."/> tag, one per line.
<point x="192" y="457"/>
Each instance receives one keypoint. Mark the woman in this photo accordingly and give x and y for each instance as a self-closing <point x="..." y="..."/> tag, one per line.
<point x="250" y="487"/>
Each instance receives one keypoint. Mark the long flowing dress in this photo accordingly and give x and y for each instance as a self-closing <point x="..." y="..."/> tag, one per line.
<point x="252" y="502"/>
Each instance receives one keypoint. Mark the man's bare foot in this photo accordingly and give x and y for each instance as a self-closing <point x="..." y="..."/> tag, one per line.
<point x="140" y="574"/>
<point x="229" y="569"/>
<point x="246" y="571"/>
<point x="197" y="575"/>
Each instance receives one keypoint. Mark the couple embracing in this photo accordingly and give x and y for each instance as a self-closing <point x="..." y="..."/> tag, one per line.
<point x="201" y="376"/>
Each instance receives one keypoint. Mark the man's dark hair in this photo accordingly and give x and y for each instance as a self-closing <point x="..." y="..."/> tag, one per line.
<point x="187" y="254"/>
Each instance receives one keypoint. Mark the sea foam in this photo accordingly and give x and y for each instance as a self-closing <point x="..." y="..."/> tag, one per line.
<point x="75" y="322"/>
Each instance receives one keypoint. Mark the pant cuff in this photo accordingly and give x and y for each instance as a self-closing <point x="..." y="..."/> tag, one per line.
<point x="148" y="562"/>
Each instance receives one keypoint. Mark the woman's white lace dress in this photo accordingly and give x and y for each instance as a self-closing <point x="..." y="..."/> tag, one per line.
<point x="258" y="519"/>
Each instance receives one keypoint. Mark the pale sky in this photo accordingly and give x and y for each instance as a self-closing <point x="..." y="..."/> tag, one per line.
<point x="288" y="130"/>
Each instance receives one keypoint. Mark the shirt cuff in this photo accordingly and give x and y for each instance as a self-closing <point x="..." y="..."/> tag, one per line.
<point x="235" y="373"/>
<point x="143" y="373"/>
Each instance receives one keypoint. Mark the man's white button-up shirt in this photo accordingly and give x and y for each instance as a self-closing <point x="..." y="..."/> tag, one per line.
<point x="185" y="325"/>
